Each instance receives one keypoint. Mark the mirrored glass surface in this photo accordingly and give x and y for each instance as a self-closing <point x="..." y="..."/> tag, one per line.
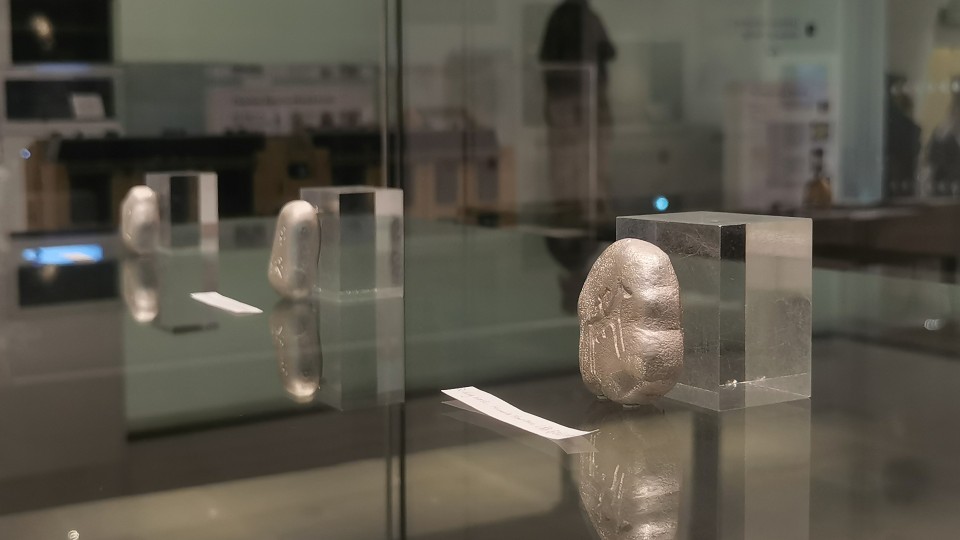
<point x="518" y="132"/>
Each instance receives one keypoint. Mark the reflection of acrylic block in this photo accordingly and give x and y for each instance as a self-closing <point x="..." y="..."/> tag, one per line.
<point x="362" y="345"/>
<point x="361" y="240"/>
<point x="188" y="209"/>
<point x="745" y="288"/>
<point x="756" y="462"/>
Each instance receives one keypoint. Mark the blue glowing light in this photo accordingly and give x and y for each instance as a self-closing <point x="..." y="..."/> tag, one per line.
<point x="661" y="203"/>
<point x="63" y="68"/>
<point x="64" y="255"/>
<point x="25" y="154"/>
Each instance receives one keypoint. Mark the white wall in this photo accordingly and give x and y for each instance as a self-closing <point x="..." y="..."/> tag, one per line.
<point x="233" y="31"/>
<point x="910" y="31"/>
<point x="248" y="31"/>
<point x="294" y="31"/>
<point x="850" y="39"/>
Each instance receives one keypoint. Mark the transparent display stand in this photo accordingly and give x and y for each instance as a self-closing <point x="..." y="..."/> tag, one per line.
<point x="189" y="217"/>
<point x="361" y="241"/>
<point x="745" y="291"/>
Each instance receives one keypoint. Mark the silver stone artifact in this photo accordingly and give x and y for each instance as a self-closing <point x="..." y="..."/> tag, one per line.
<point x="140" y="220"/>
<point x="295" y="256"/>
<point x="631" y="338"/>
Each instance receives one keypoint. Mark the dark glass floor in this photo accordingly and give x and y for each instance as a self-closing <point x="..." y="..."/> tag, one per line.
<point x="124" y="424"/>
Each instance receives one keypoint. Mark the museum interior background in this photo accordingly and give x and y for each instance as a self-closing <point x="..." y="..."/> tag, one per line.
<point x="515" y="153"/>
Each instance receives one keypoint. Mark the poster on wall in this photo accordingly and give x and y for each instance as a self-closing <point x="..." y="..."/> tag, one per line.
<point x="779" y="136"/>
<point x="280" y="101"/>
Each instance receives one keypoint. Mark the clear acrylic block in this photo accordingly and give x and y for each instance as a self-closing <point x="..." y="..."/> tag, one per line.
<point x="189" y="216"/>
<point x="361" y="241"/>
<point x="745" y="288"/>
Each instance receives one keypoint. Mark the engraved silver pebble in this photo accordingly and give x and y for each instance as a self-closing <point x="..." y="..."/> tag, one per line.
<point x="140" y="220"/>
<point x="631" y="338"/>
<point x="295" y="255"/>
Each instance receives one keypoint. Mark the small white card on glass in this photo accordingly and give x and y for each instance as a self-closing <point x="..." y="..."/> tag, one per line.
<point x="219" y="301"/>
<point x="495" y="407"/>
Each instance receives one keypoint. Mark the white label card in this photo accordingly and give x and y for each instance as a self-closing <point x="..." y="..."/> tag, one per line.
<point x="220" y="301"/>
<point x="495" y="407"/>
<point x="87" y="106"/>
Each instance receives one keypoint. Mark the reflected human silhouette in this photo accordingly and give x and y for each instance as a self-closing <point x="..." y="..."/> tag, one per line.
<point x="943" y="151"/>
<point x="575" y="40"/>
<point x="902" y="140"/>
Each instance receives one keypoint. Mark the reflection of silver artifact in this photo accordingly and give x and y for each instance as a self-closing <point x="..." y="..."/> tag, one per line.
<point x="141" y="288"/>
<point x="630" y="487"/>
<point x="140" y="220"/>
<point x="296" y="251"/>
<point x="631" y="339"/>
<point x="156" y="290"/>
<point x="296" y="337"/>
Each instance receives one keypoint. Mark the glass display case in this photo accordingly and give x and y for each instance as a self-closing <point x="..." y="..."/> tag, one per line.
<point x="518" y="132"/>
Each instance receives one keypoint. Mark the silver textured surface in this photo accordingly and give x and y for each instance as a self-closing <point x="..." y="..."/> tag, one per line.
<point x="296" y="338"/>
<point x="141" y="288"/>
<point x="140" y="220"/>
<point x="294" y="259"/>
<point x="631" y="338"/>
<point x="630" y="488"/>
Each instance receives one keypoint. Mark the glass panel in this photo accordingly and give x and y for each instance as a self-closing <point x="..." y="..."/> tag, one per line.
<point x="127" y="408"/>
<point x="518" y="131"/>
<point x="837" y="111"/>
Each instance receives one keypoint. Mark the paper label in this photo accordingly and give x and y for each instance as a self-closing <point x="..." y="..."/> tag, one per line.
<point x="495" y="407"/>
<point x="87" y="106"/>
<point x="220" y="301"/>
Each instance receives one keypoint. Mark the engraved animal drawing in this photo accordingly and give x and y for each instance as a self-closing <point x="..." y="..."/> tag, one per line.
<point x="631" y="337"/>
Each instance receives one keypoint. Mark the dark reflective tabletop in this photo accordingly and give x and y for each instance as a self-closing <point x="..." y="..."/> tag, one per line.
<point x="131" y="412"/>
